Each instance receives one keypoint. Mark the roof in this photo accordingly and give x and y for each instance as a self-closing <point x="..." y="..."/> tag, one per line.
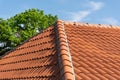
<point x="95" y="51"/>
<point x="35" y="59"/>
<point x="66" y="51"/>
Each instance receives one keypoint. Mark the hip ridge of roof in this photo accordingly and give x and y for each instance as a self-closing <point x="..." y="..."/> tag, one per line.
<point x="65" y="60"/>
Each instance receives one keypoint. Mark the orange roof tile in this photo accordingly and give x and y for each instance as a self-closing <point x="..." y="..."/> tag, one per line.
<point x="66" y="51"/>
<point x="35" y="59"/>
<point x="95" y="51"/>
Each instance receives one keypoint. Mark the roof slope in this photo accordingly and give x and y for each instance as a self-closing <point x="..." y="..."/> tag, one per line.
<point x="66" y="51"/>
<point x="95" y="51"/>
<point x="36" y="59"/>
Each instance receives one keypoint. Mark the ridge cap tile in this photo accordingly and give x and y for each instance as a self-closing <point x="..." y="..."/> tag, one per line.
<point x="67" y="72"/>
<point x="89" y="24"/>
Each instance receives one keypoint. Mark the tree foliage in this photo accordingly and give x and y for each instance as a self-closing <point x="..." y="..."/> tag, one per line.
<point x="22" y="26"/>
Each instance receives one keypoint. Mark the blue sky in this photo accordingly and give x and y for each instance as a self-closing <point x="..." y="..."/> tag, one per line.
<point x="89" y="11"/>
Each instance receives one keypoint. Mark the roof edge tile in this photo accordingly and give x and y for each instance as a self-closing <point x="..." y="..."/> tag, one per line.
<point x="92" y="25"/>
<point x="65" y="61"/>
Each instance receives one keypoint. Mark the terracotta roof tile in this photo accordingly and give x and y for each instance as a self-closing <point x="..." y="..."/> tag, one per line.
<point x="67" y="72"/>
<point x="66" y="51"/>
<point x="35" y="59"/>
<point x="95" y="50"/>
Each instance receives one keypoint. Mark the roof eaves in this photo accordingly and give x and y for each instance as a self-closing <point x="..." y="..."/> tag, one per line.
<point x="65" y="60"/>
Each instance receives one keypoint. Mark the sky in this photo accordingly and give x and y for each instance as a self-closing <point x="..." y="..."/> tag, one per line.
<point x="87" y="11"/>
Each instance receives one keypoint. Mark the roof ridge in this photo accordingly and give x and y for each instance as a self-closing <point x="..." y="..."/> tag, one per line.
<point x="65" y="61"/>
<point x="92" y="25"/>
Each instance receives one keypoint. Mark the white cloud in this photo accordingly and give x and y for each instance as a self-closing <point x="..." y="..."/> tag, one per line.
<point x="96" y="5"/>
<point x="111" y="21"/>
<point x="80" y="15"/>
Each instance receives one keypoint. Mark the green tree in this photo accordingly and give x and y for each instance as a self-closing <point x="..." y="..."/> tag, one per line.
<point x="22" y="26"/>
<point x="6" y="37"/>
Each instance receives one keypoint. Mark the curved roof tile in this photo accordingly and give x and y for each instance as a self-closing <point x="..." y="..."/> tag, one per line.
<point x="66" y="51"/>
